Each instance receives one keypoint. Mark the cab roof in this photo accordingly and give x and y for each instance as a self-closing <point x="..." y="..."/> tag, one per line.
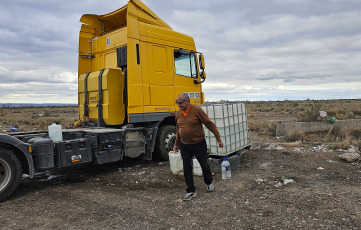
<point x="118" y="18"/>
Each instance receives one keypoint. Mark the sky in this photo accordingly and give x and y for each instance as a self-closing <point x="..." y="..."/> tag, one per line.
<point x="254" y="50"/>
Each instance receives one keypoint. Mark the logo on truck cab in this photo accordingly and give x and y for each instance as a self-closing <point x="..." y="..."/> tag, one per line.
<point x="107" y="41"/>
<point x="93" y="98"/>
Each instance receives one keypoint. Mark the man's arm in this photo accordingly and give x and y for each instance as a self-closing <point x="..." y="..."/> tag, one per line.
<point x="210" y="125"/>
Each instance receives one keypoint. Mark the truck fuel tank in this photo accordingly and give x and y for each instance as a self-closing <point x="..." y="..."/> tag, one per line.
<point x="101" y="96"/>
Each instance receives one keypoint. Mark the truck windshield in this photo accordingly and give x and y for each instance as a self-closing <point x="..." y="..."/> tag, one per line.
<point x="185" y="63"/>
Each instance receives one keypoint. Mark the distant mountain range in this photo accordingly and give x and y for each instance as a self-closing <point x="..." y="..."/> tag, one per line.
<point x="33" y="104"/>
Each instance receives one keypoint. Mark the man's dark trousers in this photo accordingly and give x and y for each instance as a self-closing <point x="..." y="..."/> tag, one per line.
<point x="198" y="150"/>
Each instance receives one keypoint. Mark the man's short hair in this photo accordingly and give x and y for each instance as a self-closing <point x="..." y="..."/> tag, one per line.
<point x="186" y="97"/>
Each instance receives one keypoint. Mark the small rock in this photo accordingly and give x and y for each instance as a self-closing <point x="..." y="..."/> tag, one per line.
<point x="287" y="181"/>
<point x="350" y="157"/>
<point x="279" y="184"/>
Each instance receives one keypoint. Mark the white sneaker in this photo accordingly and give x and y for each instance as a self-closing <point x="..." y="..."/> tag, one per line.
<point x="189" y="196"/>
<point x="210" y="188"/>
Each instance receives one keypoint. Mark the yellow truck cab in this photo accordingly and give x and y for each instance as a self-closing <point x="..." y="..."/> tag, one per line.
<point x="132" y="66"/>
<point x="145" y="64"/>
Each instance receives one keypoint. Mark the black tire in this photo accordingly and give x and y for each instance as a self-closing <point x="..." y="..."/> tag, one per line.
<point x="164" y="141"/>
<point x="10" y="173"/>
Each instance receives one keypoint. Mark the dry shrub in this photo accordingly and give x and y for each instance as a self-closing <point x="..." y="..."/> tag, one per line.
<point x="295" y="136"/>
<point x="250" y="113"/>
<point x="272" y="129"/>
<point x="356" y="112"/>
<point x="331" y="113"/>
<point x="340" y="145"/>
<point x="295" y="104"/>
<point x="42" y="125"/>
<point x="335" y="134"/>
<point x="262" y="127"/>
<point x="356" y="134"/>
<point x="311" y="113"/>
<point x="341" y="113"/>
<point x="342" y="139"/>
<point x="358" y="144"/>
<point x="254" y="126"/>
<point x="47" y="113"/>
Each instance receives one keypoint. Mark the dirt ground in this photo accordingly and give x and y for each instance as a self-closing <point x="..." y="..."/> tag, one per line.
<point x="278" y="186"/>
<point x="271" y="190"/>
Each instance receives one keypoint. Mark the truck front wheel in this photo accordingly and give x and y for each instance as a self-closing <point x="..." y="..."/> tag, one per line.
<point x="10" y="173"/>
<point x="165" y="141"/>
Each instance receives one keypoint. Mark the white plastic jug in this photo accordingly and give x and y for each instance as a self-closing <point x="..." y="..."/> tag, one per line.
<point x="176" y="162"/>
<point x="197" y="170"/>
<point x="55" y="132"/>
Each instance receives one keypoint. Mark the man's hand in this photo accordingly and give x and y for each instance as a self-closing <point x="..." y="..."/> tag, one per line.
<point x="175" y="148"/>
<point x="220" y="143"/>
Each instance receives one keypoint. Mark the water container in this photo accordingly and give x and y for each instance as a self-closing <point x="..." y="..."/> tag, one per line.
<point x="231" y="121"/>
<point x="55" y="132"/>
<point x="197" y="170"/>
<point x="176" y="162"/>
<point x="226" y="169"/>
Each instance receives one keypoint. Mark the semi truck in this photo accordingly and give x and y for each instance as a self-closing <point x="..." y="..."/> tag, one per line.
<point x="132" y="65"/>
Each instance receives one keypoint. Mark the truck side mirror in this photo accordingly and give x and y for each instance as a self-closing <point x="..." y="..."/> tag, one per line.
<point x="203" y="75"/>
<point x="202" y="64"/>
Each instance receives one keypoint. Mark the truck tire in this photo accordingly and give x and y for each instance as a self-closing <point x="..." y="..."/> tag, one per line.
<point x="165" y="141"/>
<point x="10" y="173"/>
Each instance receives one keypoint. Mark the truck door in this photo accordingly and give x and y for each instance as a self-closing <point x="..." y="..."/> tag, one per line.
<point x="185" y="75"/>
<point x="160" y="75"/>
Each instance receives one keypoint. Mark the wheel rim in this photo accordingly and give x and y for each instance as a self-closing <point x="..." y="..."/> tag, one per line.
<point x="5" y="174"/>
<point x="169" y="141"/>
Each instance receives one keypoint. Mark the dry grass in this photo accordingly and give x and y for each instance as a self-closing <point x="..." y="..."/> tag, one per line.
<point x="263" y="115"/>
<point x="306" y="110"/>
<point x="296" y="136"/>
<point x="36" y="118"/>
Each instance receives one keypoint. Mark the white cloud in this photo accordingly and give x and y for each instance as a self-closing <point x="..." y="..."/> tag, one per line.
<point x="38" y="92"/>
<point x="255" y="50"/>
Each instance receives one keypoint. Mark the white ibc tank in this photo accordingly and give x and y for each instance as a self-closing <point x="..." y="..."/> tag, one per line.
<point x="176" y="162"/>
<point x="55" y="132"/>
<point x="231" y="121"/>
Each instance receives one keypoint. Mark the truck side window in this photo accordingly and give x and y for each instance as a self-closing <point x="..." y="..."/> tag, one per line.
<point x="185" y="63"/>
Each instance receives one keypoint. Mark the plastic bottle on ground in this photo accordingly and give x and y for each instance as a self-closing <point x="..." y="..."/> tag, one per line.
<point x="226" y="169"/>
